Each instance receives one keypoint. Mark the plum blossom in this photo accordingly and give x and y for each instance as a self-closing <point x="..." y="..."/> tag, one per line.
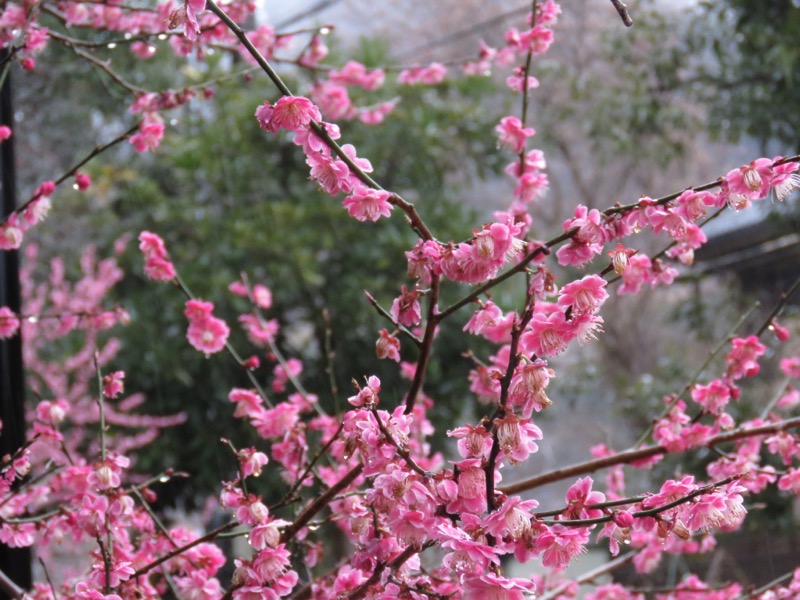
<point x="9" y="323"/>
<point x="512" y="134"/>
<point x="368" y="204"/>
<point x="206" y="333"/>
<point x="292" y="113"/>
<point x="387" y="346"/>
<point x="430" y="75"/>
<point x="406" y="309"/>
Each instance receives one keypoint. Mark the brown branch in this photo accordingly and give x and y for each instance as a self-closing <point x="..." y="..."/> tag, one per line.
<point x="622" y="9"/>
<point x="650" y="512"/>
<point x="385" y="314"/>
<point x="73" y="169"/>
<point x="427" y="345"/>
<point x="320" y="502"/>
<point x="396" y="562"/>
<point x="401" y="450"/>
<point x="178" y="551"/>
<point x="631" y="456"/>
<point x="505" y="384"/>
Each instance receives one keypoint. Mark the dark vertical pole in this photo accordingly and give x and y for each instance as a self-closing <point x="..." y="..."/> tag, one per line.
<point x="16" y="562"/>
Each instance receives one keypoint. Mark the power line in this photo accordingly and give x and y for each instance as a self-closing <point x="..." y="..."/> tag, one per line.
<point x="309" y="12"/>
<point x="458" y="35"/>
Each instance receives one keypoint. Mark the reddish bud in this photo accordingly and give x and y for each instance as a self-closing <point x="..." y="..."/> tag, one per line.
<point x="82" y="181"/>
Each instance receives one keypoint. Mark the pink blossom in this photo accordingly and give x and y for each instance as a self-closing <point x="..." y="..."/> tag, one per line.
<point x="528" y="385"/>
<point x="333" y="101"/>
<point x="546" y="335"/>
<point x="367" y="204"/>
<point x="9" y="323"/>
<point x="791" y="366"/>
<point x="10" y="234"/>
<point x="751" y="181"/>
<point x="516" y="437"/>
<point x="151" y="132"/>
<point x="513" y="134"/>
<point x="712" y="397"/>
<point x="83" y="181"/>
<point x="785" y="180"/>
<point x="206" y="333"/>
<point x="186" y="15"/>
<point x="113" y="384"/>
<point x="430" y="75"/>
<point x="742" y="360"/>
<point x="251" y="462"/>
<point x="260" y="332"/>
<point x="790" y="482"/>
<point x="637" y="272"/>
<point x="292" y="113"/>
<point x="406" y="309"/>
<point x="560" y="544"/>
<point x="5" y="132"/>
<point x="387" y="346"/>
<point x="473" y="442"/>
<point x="512" y="519"/>
<point x="354" y="73"/>
<point x="584" y="295"/>
<point x="367" y="396"/>
<point x="489" y="585"/>
<point x="579" y="495"/>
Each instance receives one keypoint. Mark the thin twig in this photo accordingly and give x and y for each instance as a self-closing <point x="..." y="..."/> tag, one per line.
<point x="631" y="456"/>
<point x="622" y="9"/>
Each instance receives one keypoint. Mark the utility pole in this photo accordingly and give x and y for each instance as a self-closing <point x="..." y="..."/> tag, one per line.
<point x="16" y="562"/>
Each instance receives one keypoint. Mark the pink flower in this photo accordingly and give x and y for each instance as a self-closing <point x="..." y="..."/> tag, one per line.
<point x="512" y="519"/>
<point x="292" y="113"/>
<point x="354" y="73"/>
<point x="206" y="333"/>
<point x="579" y="495"/>
<point x="113" y="384"/>
<point x="367" y="396"/>
<point x="790" y="482"/>
<point x="488" y="585"/>
<point x="584" y="296"/>
<point x="560" y="544"/>
<point x="513" y="134"/>
<point x="791" y="367"/>
<point x="9" y="323"/>
<point x="251" y="462"/>
<point x="405" y="308"/>
<point x="367" y="204"/>
<point x="262" y="296"/>
<point x="742" y="360"/>
<point x="751" y="181"/>
<point x="5" y="132"/>
<point x="186" y="15"/>
<point x="712" y="397"/>
<point x="528" y="385"/>
<point x="387" y="346"/>
<point x="151" y="131"/>
<point x="546" y="335"/>
<point x="82" y="181"/>
<point x="259" y="331"/>
<point x="785" y="180"/>
<point x="516" y="437"/>
<point x="430" y="75"/>
<point x="10" y="234"/>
